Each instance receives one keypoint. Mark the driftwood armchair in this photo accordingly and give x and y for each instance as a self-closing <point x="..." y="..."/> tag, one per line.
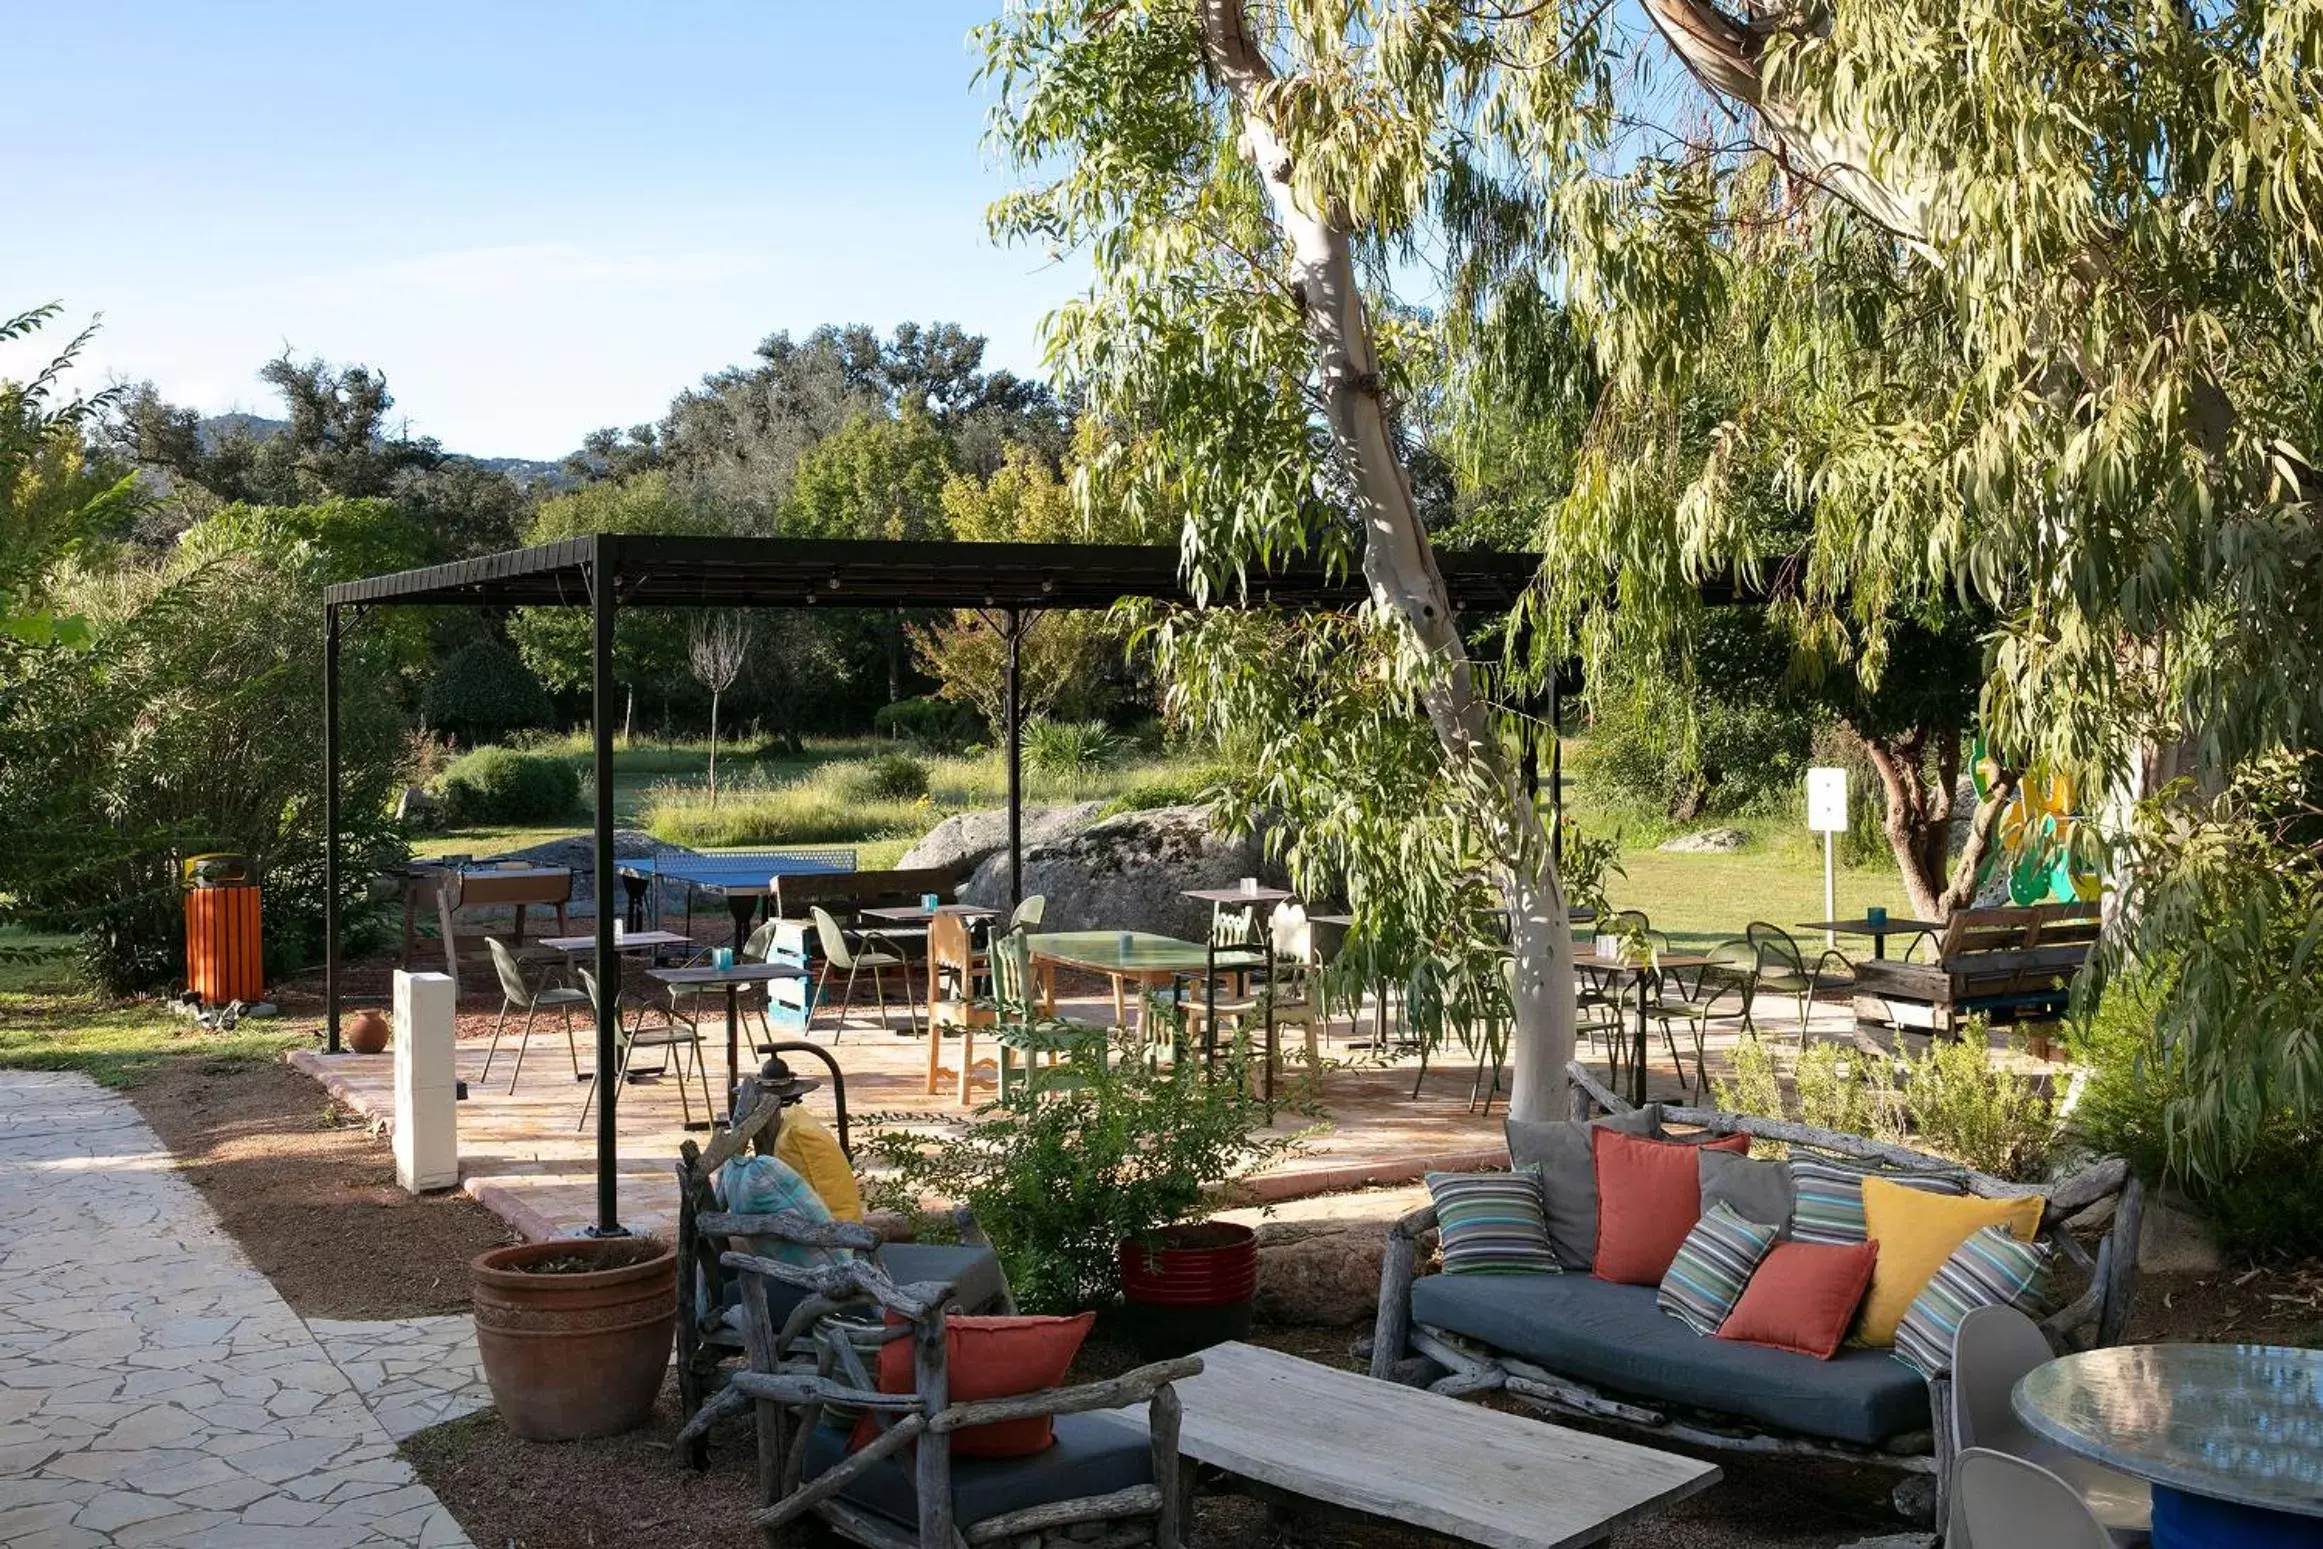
<point x="2090" y="1219"/>
<point x="710" y="1334"/>
<point x="1108" y="1480"/>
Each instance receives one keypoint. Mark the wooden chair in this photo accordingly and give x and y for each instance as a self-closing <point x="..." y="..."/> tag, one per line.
<point x="518" y="995"/>
<point x="953" y="1004"/>
<point x="1993" y="1348"/>
<point x="1106" y="1479"/>
<point x="1287" y="992"/>
<point x="2000" y="1502"/>
<point x="1021" y="1028"/>
<point x="679" y="1035"/>
<point x="870" y="950"/>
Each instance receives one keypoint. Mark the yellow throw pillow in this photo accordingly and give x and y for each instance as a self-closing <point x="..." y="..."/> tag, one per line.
<point x="812" y="1152"/>
<point x="1916" y="1232"/>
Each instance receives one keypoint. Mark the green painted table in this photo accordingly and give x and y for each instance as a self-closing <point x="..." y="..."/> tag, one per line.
<point x="1125" y="957"/>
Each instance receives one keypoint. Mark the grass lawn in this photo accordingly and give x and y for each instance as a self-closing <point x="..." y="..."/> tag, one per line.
<point x="1701" y="900"/>
<point x="50" y="1020"/>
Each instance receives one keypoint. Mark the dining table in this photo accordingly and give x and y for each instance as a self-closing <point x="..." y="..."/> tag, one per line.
<point x="1641" y="977"/>
<point x="1126" y="957"/>
<point x="731" y="978"/>
<point x="2230" y="1437"/>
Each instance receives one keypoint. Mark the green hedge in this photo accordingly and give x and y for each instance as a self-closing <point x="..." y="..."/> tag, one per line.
<point x="501" y="785"/>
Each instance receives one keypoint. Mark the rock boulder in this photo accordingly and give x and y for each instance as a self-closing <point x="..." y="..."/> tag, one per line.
<point x="1708" y="841"/>
<point x="1326" y="1279"/>
<point x="1128" y="873"/>
<point x="967" y="837"/>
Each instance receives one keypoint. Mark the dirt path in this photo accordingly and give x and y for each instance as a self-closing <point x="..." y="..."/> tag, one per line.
<point x="311" y="1195"/>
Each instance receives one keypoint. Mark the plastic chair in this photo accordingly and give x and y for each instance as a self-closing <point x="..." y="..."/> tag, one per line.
<point x="679" y="1035"/>
<point x="873" y="951"/>
<point x="517" y="995"/>
<point x="1991" y="1352"/>
<point x="1027" y="914"/>
<point x="2001" y="1502"/>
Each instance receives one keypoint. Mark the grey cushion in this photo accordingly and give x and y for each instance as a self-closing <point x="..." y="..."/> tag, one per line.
<point x="1615" y="1337"/>
<point x="1560" y="1149"/>
<point x="1755" y="1191"/>
<point x="973" y="1272"/>
<point x="1094" y="1454"/>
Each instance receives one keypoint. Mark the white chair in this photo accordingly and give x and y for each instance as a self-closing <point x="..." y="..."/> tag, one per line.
<point x="1992" y="1351"/>
<point x="2000" y="1502"/>
<point x="872" y="951"/>
<point x="1027" y="915"/>
<point x="515" y="995"/>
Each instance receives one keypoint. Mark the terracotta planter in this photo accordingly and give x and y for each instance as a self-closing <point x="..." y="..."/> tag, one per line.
<point x="366" y="1031"/>
<point x="578" y="1352"/>
<point x="1189" y="1287"/>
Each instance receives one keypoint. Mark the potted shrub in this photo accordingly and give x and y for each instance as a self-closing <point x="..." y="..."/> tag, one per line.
<point x="1097" y="1186"/>
<point x="575" y="1332"/>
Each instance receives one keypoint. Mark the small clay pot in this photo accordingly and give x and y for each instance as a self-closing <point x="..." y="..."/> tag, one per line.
<point x="575" y="1351"/>
<point x="366" y="1032"/>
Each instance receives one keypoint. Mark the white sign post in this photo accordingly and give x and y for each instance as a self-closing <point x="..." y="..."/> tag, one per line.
<point x="1827" y="815"/>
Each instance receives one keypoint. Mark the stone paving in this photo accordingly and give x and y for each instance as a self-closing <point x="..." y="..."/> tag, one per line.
<point x="412" y="1372"/>
<point x="155" y="1389"/>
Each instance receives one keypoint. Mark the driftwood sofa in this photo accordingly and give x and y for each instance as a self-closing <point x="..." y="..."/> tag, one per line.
<point x="1572" y="1345"/>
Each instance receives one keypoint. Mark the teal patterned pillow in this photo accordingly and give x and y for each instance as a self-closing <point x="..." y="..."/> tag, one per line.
<point x="1713" y="1265"/>
<point x="1829" y="1191"/>
<point x="763" y="1185"/>
<point x="1492" y="1224"/>
<point x="1990" y="1269"/>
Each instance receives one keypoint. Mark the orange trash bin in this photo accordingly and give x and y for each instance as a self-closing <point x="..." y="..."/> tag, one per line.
<point x="223" y="957"/>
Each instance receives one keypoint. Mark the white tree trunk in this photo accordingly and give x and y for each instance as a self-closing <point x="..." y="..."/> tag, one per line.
<point x="1401" y="568"/>
<point x="713" y="747"/>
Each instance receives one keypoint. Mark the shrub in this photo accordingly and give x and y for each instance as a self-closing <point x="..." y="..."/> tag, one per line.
<point x="1754" y="1089"/>
<point x="1963" y="1106"/>
<point x="889" y="777"/>
<point x="811" y="811"/>
<point x="929" y="724"/>
<point x="1061" y="1180"/>
<point x="501" y="785"/>
<point x="482" y="693"/>
<point x="1840" y="1087"/>
<point x="1069" y="747"/>
<point x="1175" y="788"/>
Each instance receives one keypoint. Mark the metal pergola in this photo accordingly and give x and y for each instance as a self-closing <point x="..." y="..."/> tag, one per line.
<point x="609" y="571"/>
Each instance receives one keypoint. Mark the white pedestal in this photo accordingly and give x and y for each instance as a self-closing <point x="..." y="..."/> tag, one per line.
<point x="427" y="1142"/>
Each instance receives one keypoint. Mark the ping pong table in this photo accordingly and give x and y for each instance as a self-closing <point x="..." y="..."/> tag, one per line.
<point x="745" y="877"/>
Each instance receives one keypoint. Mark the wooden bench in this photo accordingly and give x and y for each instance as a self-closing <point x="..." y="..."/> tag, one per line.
<point x="2005" y="965"/>
<point x="846" y="894"/>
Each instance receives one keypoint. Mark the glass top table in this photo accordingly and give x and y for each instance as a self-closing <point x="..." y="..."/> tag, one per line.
<point x="2230" y="1436"/>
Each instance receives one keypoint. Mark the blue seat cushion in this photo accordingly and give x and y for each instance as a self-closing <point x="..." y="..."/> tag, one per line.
<point x="1094" y="1454"/>
<point x="1613" y="1336"/>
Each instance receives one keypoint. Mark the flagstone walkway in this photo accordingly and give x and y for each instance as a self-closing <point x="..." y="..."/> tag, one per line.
<point x="155" y="1389"/>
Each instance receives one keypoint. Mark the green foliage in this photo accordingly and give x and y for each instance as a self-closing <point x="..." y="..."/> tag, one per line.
<point x="1105" y="1154"/>
<point x="54" y="496"/>
<point x="482" y="693"/>
<point x="500" y="785"/>
<point x="875" y="478"/>
<point x="1755" y="1088"/>
<point x="1964" y="1106"/>
<point x="2271" y="1203"/>
<point x="1064" y="747"/>
<point x="1840" y="1087"/>
<point x="1591" y="861"/>
<point x="649" y="644"/>
<point x="889" y="777"/>
<point x="828" y="808"/>
<point x="1181" y="788"/>
<point x="929" y="723"/>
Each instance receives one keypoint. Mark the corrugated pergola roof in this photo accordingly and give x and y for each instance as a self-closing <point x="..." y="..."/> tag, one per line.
<point x="675" y="572"/>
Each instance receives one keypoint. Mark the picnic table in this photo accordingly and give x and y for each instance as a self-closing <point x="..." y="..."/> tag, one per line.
<point x="731" y="978"/>
<point x="1378" y="1450"/>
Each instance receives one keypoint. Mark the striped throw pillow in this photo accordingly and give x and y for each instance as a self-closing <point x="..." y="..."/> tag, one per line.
<point x="1829" y="1192"/>
<point x="1713" y="1266"/>
<point x="1492" y="1224"/>
<point x="1990" y="1269"/>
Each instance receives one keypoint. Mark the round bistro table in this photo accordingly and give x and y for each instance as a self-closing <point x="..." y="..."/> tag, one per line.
<point x="2229" y="1436"/>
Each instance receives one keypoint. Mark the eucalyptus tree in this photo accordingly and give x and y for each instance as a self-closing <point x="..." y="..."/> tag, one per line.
<point x="2026" y="296"/>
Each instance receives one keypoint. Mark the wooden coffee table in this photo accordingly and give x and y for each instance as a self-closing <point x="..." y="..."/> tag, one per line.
<point x="1356" y="1444"/>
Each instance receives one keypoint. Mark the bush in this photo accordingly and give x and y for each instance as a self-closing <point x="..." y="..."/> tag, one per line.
<point x="482" y="693"/>
<point x="929" y="724"/>
<point x="501" y="785"/>
<point x="1175" y="788"/>
<point x="1750" y="757"/>
<point x="889" y="777"/>
<point x="1062" y="1179"/>
<point x="1069" y="747"/>
<point x="1963" y="1106"/>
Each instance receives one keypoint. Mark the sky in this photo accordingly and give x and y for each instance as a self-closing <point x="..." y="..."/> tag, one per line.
<point x="536" y="218"/>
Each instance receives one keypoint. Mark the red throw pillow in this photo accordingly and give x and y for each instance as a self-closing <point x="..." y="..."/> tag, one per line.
<point x="1803" y="1297"/>
<point x="994" y="1357"/>
<point x="1649" y="1195"/>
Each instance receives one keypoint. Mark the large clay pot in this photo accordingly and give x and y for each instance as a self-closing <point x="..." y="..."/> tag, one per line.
<point x="1189" y="1287"/>
<point x="366" y="1031"/>
<point x="575" y="1333"/>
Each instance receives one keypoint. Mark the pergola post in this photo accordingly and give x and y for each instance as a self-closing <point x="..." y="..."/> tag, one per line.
<point x="1011" y="712"/>
<point x="603" y="589"/>
<point x="331" y="825"/>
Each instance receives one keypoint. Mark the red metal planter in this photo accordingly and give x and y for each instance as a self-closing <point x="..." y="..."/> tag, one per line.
<point x="1189" y="1286"/>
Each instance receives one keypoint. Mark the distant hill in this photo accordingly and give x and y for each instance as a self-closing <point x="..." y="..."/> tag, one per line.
<point x="526" y="473"/>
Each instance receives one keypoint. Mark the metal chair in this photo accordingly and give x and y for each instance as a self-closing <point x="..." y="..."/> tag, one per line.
<point x="517" y="995"/>
<point x="679" y="1034"/>
<point x="750" y="999"/>
<point x="1782" y="968"/>
<point x="1722" y="987"/>
<point x="2001" y="1502"/>
<point x="871" y="950"/>
<point x="1992" y="1350"/>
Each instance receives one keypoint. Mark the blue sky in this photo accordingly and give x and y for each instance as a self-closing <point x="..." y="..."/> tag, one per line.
<point x="536" y="218"/>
